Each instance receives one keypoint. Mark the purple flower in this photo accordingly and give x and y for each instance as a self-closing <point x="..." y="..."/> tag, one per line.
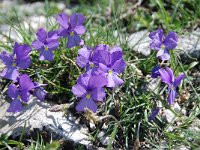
<point x="19" y="93"/>
<point x="90" y="89"/>
<point x="167" y="76"/>
<point x="163" y="44"/>
<point x="110" y="63"/>
<point x="19" y="59"/>
<point x="71" y="28"/>
<point x="154" y="113"/>
<point x="46" y="43"/>
<point x="155" y="72"/>
<point x="39" y="91"/>
<point x="84" y="60"/>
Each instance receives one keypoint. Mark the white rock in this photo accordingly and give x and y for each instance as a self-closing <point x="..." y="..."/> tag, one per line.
<point x="36" y="115"/>
<point x="139" y="42"/>
<point x="176" y="108"/>
<point x="103" y="138"/>
<point x="168" y="115"/>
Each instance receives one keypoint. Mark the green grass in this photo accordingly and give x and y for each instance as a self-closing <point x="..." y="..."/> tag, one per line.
<point x="132" y="103"/>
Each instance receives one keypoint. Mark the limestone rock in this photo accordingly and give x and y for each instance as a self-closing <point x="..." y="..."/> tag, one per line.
<point x="36" y="115"/>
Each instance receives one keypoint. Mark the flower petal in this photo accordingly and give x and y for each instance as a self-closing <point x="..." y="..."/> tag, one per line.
<point x="171" y="96"/>
<point x="80" y="30"/>
<point x="25" y="96"/>
<point x="114" y="80"/>
<point x="6" y="58"/>
<point x="171" y="40"/>
<point x="178" y="80"/>
<point x="102" y="56"/>
<point x="155" y="72"/>
<point x="25" y="83"/>
<point x="119" y="66"/>
<point x="154" y="113"/>
<point x="156" y="37"/>
<point x="15" y="106"/>
<point x="165" y="56"/>
<point x="41" y="35"/>
<point x="84" y="56"/>
<point x="62" y="20"/>
<point x="38" y="45"/>
<point x="116" y="54"/>
<point x="24" y="62"/>
<point x="76" y="20"/>
<point x="98" y="94"/>
<point x="10" y="73"/>
<point x="46" y="55"/>
<point x="78" y="90"/>
<point x="63" y="32"/>
<point x="86" y="103"/>
<point x="21" y="50"/>
<point x="13" y="91"/>
<point x="73" y="40"/>
<point x="40" y="93"/>
<point x="96" y="81"/>
<point x="167" y="75"/>
<point x="52" y="44"/>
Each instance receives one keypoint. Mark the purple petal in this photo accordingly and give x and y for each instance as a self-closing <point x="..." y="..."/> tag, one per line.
<point x="46" y="55"/>
<point x="171" y="96"/>
<point x="6" y="58"/>
<point x="171" y="40"/>
<point x="13" y="91"/>
<point x="52" y="44"/>
<point x="156" y="37"/>
<point x="103" y="68"/>
<point x="114" y="80"/>
<point x="25" y="96"/>
<point x="96" y="81"/>
<point x="41" y="35"/>
<point x="38" y="45"/>
<point x="10" y="73"/>
<point x="116" y="54"/>
<point x="165" y="56"/>
<point x="155" y="72"/>
<point x="98" y="94"/>
<point x="15" y="106"/>
<point x="84" y="56"/>
<point x="158" y="34"/>
<point x="40" y="93"/>
<point x="86" y="103"/>
<point x="76" y="20"/>
<point x="62" y="20"/>
<point x="25" y="83"/>
<point x="103" y="47"/>
<point x="154" y="113"/>
<point x="73" y="40"/>
<point x="178" y="80"/>
<point x="83" y="80"/>
<point x="167" y="75"/>
<point x="78" y="90"/>
<point x="80" y="30"/>
<point x="21" y="50"/>
<point x="53" y="35"/>
<point x="119" y="66"/>
<point x="102" y="56"/>
<point x="63" y="32"/>
<point x="24" y="62"/>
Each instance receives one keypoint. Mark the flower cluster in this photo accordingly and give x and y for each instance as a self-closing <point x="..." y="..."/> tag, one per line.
<point x="19" y="91"/>
<point x="163" y="45"/>
<point x="103" y="66"/>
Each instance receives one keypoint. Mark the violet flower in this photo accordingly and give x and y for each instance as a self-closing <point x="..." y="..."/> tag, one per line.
<point x="71" y="28"/>
<point x="19" y="93"/>
<point x="110" y="64"/>
<point x="90" y="89"/>
<point x="163" y="44"/>
<point x="46" y="43"/>
<point x="39" y="91"/>
<point x="155" y="72"/>
<point x="154" y="113"/>
<point x="167" y="76"/>
<point x="18" y="60"/>
<point x="84" y="60"/>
